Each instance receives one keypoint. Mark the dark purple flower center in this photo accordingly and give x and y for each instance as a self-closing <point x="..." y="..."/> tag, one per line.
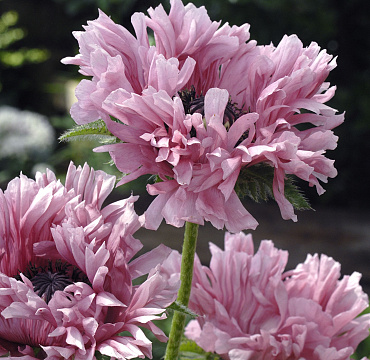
<point x="45" y="284"/>
<point x="194" y="103"/>
<point x="57" y="275"/>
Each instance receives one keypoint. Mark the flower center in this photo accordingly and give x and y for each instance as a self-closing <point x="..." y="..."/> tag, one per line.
<point x="53" y="277"/>
<point x="194" y="103"/>
<point x="45" y="284"/>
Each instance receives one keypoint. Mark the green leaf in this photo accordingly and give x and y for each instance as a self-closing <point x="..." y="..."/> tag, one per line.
<point x="256" y="182"/>
<point x="189" y="350"/>
<point x="96" y="130"/>
<point x="295" y="196"/>
<point x="182" y="309"/>
<point x="100" y="356"/>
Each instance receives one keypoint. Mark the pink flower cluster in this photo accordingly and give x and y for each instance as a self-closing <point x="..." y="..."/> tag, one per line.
<point x="203" y="103"/>
<point x="66" y="271"/>
<point x="249" y="308"/>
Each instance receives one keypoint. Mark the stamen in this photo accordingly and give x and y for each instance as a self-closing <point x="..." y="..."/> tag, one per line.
<point x="57" y="275"/>
<point x="197" y="106"/>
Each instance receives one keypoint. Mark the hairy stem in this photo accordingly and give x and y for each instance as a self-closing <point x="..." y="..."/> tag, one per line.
<point x="186" y="276"/>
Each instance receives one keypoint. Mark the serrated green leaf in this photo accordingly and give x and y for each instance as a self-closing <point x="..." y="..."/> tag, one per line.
<point x="256" y="182"/>
<point x="190" y="346"/>
<point x="253" y="190"/>
<point x="295" y="196"/>
<point x="189" y="350"/>
<point x="96" y="130"/>
<point x="182" y="309"/>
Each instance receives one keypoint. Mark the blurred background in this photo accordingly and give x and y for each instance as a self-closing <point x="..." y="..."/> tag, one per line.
<point x="36" y="92"/>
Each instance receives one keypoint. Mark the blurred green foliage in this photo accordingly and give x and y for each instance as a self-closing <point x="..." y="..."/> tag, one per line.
<point x="10" y="34"/>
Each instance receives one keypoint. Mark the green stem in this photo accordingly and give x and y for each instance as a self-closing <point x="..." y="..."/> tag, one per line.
<point x="186" y="276"/>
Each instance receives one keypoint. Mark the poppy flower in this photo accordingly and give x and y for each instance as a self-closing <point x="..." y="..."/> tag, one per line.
<point x="249" y="307"/>
<point x="203" y="106"/>
<point x="66" y="271"/>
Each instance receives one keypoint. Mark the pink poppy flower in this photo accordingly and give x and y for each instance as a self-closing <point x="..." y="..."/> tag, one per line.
<point x="211" y="105"/>
<point x="249" y="308"/>
<point x="66" y="271"/>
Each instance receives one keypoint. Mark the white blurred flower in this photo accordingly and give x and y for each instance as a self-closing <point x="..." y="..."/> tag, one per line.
<point x="42" y="168"/>
<point x="24" y="133"/>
